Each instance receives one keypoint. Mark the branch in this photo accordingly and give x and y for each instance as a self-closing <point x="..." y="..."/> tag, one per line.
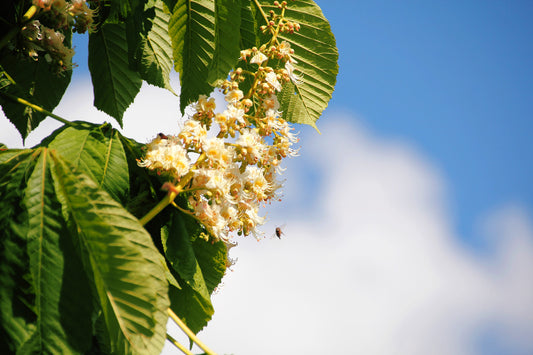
<point x="36" y="108"/>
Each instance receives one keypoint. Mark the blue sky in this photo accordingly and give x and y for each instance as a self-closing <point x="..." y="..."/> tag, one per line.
<point x="453" y="77"/>
<point x="409" y="226"/>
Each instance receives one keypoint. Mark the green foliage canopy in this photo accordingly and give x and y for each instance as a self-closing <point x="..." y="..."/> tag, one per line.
<point x="78" y="271"/>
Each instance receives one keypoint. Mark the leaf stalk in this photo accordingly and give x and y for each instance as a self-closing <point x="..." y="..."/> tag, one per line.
<point x="261" y="9"/>
<point x="189" y="333"/>
<point x="178" y="345"/>
<point x="36" y="108"/>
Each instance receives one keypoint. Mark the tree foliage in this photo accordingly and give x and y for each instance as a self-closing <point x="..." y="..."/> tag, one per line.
<point x="80" y="271"/>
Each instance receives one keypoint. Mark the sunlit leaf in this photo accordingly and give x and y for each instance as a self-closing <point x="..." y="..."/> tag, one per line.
<point x="63" y="323"/>
<point x="192" y="30"/>
<point x="121" y="260"/>
<point x="98" y="152"/>
<point x="316" y="55"/>
<point x="150" y="43"/>
<point x="227" y="49"/>
<point x="115" y="84"/>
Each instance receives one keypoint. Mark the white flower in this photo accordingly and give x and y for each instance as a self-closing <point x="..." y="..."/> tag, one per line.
<point x="204" y="104"/>
<point x="251" y="220"/>
<point x="193" y="133"/>
<point x="271" y="176"/>
<point x="235" y="114"/>
<point x="256" y="182"/>
<point x="271" y="103"/>
<point x="218" y="183"/>
<point x="217" y="152"/>
<point x="285" y="48"/>
<point x="273" y="121"/>
<point x="229" y="212"/>
<point x="234" y="95"/>
<point x="166" y="154"/>
<point x="296" y="79"/>
<point x="272" y="79"/>
<point x="252" y="143"/>
<point x="258" y="58"/>
<point x="286" y="131"/>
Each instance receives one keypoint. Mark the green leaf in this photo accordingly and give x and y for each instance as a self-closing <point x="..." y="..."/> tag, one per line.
<point x="177" y="243"/>
<point x="316" y="54"/>
<point x="122" y="7"/>
<point x="212" y="258"/>
<point x="193" y="309"/>
<point x="17" y="299"/>
<point x="249" y="26"/>
<point x="177" y="28"/>
<point x="98" y="152"/>
<point x="149" y="38"/>
<point x="192" y="30"/>
<point x="63" y="309"/>
<point x="115" y="84"/>
<point x="114" y="11"/>
<point x="192" y="303"/>
<point x="11" y="158"/>
<point x="122" y="262"/>
<point x="35" y="82"/>
<point x="227" y="19"/>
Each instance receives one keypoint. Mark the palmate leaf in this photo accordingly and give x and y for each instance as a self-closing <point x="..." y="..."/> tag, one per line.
<point x="202" y="33"/>
<point x="191" y="305"/>
<point x="122" y="262"/>
<point x="205" y="44"/>
<point x="81" y="245"/>
<point x="316" y="54"/>
<point x="35" y="82"/>
<point x="98" y="152"/>
<point x="63" y="323"/>
<point x="115" y="84"/>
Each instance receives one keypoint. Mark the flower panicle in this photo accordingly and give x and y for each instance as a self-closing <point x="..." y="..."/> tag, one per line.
<point x="250" y="138"/>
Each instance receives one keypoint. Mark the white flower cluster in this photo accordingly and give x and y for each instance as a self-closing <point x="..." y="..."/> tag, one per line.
<point x="236" y="171"/>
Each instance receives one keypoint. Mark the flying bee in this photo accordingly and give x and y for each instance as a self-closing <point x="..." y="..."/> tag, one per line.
<point x="278" y="232"/>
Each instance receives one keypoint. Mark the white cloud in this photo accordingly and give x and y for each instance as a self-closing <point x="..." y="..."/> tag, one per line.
<point x="371" y="262"/>
<point x="378" y="269"/>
